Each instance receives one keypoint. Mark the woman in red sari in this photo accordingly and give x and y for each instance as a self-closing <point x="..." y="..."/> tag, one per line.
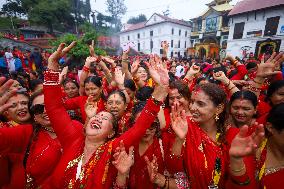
<point x="207" y="140"/>
<point x="86" y="157"/>
<point x="36" y="144"/>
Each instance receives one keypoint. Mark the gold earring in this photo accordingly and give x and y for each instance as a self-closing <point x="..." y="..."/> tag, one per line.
<point x="216" y="117"/>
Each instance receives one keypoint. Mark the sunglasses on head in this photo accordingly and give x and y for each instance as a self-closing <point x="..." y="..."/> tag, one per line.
<point x="37" y="109"/>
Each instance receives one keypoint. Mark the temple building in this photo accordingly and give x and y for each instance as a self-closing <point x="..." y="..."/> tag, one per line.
<point x="210" y="30"/>
<point x="256" y="26"/>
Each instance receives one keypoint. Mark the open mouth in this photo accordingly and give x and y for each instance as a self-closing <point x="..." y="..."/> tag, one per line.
<point x="45" y="116"/>
<point x="22" y="113"/>
<point x="95" y="125"/>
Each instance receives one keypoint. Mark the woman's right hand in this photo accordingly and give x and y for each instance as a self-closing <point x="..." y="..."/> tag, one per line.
<point x="90" y="60"/>
<point x="59" y="53"/>
<point x="179" y="121"/>
<point x="268" y="68"/>
<point x="220" y="76"/>
<point x="135" y="66"/>
<point x="6" y="92"/>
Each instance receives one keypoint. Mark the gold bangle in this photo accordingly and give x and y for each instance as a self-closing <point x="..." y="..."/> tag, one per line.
<point x="238" y="170"/>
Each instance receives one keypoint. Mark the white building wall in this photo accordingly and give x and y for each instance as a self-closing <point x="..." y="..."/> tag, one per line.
<point x="161" y="32"/>
<point x="253" y="23"/>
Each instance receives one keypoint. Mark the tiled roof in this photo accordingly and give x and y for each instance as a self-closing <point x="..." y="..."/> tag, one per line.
<point x="167" y="19"/>
<point x="252" y="5"/>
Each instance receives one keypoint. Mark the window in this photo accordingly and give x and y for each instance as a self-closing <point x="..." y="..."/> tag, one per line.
<point x="151" y="45"/>
<point x="239" y="30"/>
<point x="199" y="25"/>
<point x="151" y="33"/>
<point x="172" y="43"/>
<point x="172" y="54"/>
<point x="185" y="34"/>
<point x="128" y="37"/>
<point x="138" y="35"/>
<point x="185" y="44"/>
<point x="173" y="31"/>
<point x="138" y="46"/>
<point x="161" y="51"/>
<point x="179" y="44"/>
<point x="179" y="32"/>
<point x="271" y="26"/>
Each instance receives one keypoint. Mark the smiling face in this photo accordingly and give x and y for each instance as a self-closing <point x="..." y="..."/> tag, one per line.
<point x="100" y="126"/>
<point x="150" y="132"/>
<point x="142" y="73"/>
<point x="176" y="97"/>
<point x="19" y="111"/>
<point x="202" y="107"/>
<point x="92" y="90"/>
<point x="116" y="105"/>
<point x="242" y="111"/>
<point x="71" y="90"/>
<point x="41" y="118"/>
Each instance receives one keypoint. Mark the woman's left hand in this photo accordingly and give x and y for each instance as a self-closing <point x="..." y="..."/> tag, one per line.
<point x="152" y="167"/>
<point x="91" y="107"/>
<point x="122" y="160"/>
<point x="244" y="145"/>
<point x="119" y="77"/>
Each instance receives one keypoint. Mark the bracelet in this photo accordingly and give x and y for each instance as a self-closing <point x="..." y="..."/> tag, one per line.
<point x="157" y="102"/>
<point x="51" y="78"/>
<point x="232" y="88"/>
<point x="86" y="69"/>
<point x="238" y="170"/>
<point x="254" y="89"/>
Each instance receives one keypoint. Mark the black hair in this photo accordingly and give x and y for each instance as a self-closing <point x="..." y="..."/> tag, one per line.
<point x="273" y="87"/>
<point x="276" y="117"/>
<point x="68" y="80"/>
<point x="129" y="83"/>
<point x="251" y="65"/>
<point x="120" y="93"/>
<point x="34" y="83"/>
<point x="144" y="93"/>
<point x="247" y="95"/>
<point x="95" y="80"/>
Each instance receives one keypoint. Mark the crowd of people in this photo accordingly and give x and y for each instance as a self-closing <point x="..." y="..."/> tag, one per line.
<point x="142" y="122"/>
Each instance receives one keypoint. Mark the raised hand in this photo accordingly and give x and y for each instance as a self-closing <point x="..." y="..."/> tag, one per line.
<point x="92" y="49"/>
<point x="178" y="121"/>
<point x="165" y="46"/>
<point x="152" y="167"/>
<point x="193" y="70"/>
<point x="135" y="66"/>
<point x="244" y="145"/>
<point x="122" y="160"/>
<point x="91" y="107"/>
<point x="158" y="71"/>
<point x="90" y="60"/>
<point x="6" y="91"/>
<point x="269" y="68"/>
<point x="109" y="61"/>
<point x="60" y="52"/>
<point x="220" y="76"/>
<point x="119" y="77"/>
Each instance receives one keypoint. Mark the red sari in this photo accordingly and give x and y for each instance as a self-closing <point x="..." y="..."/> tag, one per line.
<point x="99" y="173"/>
<point x="205" y="159"/>
<point x="44" y="153"/>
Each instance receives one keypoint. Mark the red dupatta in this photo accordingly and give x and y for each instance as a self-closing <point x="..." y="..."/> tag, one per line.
<point x="205" y="160"/>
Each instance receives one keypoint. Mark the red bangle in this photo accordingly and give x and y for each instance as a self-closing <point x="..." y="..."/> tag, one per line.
<point x="186" y="80"/>
<point x="51" y="78"/>
<point x="86" y="69"/>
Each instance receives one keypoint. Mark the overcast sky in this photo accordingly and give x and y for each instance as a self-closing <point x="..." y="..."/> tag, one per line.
<point x="180" y="9"/>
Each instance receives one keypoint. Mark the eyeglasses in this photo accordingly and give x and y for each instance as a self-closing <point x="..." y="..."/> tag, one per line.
<point x="37" y="109"/>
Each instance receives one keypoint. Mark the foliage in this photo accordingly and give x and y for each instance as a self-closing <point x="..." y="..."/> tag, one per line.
<point x="138" y="19"/>
<point x="116" y="8"/>
<point x="81" y="50"/>
<point x="13" y="8"/>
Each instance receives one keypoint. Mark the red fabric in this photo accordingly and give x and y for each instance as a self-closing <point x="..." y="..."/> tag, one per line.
<point x="196" y="139"/>
<point x="79" y="103"/>
<point x="273" y="181"/>
<point x="44" y="154"/>
<point x="71" y="136"/>
<point x="242" y="71"/>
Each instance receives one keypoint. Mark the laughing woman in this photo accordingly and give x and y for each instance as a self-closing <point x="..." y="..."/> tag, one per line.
<point x="86" y="156"/>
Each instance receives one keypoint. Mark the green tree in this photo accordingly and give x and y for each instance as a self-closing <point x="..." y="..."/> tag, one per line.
<point x="117" y="9"/>
<point x="13" y="8"/>
<point x="138" y="19"/>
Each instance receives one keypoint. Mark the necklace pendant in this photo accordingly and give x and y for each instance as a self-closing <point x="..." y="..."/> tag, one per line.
<point x="213" y="186"/>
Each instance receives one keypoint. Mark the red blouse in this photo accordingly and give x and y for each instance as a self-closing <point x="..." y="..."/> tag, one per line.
<point x="100" y="173"/>
<point x="79" y="103"/>
<point x="44" y="153"/>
